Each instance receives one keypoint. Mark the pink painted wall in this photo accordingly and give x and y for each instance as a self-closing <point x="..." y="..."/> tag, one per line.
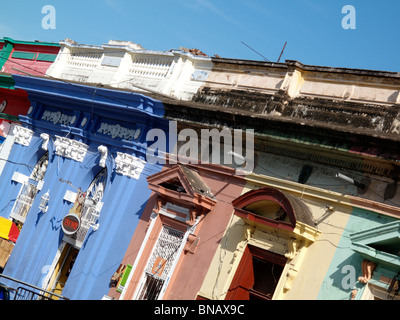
<point x="24" y="66"/>
<point x="191" y="269"/>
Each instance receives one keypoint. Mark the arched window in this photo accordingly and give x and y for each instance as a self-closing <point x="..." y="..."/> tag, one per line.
<point x="272" y="207"/>
<point x="29" y="190"/>
<point x="278" y="227"/>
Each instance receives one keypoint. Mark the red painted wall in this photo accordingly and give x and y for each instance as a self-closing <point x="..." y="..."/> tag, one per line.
<point x="17" y="101"/>
<point x="32" y="67"/>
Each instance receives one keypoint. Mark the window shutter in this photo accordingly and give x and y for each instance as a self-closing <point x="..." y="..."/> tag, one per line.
<point x="266" y="277"/>
<point x="124" y="277"/>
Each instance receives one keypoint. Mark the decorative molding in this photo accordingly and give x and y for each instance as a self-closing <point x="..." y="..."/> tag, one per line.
<point x="70" y="196"/>
<point x="69" y="148"/>
<point x="118" y="131"/>
<point x="3" y="105"/>
<point x="19" y="177"/>
<point x="103" y="151"/>
<point x="248" y="231"/>
<point x="58" y="117"/>
<point x="192" y="243"/>
<point x="294" y="245"/>
<point x="22" y="135"/>
<point x="128" y="165"/>
<point x="46" y="139"/>
<point x="290" y="275"/>
<point x="368" y="268"/>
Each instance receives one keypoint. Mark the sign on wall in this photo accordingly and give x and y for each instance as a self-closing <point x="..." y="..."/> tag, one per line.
<point x="158" y="266"/>
<point x="72" y="221"/>
<point x="70" y="224"/>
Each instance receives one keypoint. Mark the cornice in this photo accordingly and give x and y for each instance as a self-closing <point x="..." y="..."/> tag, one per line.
<point x="322" y="196"/>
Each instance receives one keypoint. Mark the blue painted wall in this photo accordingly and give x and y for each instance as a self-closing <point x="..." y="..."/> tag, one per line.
<point x="124" y="198"/>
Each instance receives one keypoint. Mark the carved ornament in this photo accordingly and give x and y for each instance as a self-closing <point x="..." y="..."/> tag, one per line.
<point x="22" y="135"/>
<point x="294" y="246"/>
<point x="104" y="152"/>
<point x="368" y="268"/>
<point x="71" y="149"/>
<point x="129" y="165"/>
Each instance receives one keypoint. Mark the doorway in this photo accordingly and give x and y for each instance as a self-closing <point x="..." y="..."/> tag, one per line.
<point x="63" y="269"/>
<point x="257" y="275"/>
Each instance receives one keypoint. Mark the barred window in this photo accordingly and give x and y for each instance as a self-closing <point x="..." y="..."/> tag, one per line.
<point x="161" y="263"/>
<point x="29" y="191"/>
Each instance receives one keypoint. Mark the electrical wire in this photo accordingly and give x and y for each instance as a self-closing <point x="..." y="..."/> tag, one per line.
<point x="124" y="103"/>
<point x="203" y="217"/>
<point x="113" y="99"/>
<point x="17" y="163"/>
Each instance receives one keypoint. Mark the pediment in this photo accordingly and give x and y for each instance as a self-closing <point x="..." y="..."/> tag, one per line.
<point x="379" y="244"/>
<point x="182" y="185"/>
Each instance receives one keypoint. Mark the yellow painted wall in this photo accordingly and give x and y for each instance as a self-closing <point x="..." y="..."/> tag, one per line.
<point x="331" y="212"/>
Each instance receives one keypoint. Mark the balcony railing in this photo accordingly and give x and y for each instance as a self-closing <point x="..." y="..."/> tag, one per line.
<point x="25" y="291"/>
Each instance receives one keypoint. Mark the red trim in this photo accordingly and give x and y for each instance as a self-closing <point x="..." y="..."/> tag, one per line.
<point x="243" y="280"/>
<point x="267" y="255"/>
<point x="265" y="194"/>
<point x="173" y="223"/>
<point x="188" y="199"/>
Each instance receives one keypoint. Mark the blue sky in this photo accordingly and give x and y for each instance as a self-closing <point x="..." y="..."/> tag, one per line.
<point x="312" y="28"/>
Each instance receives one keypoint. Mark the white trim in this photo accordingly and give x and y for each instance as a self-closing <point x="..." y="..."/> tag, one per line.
<point x="129" y="165"/>
<point x="372" y="291"/>
<point x="70" y="196"/>
<point x="46" y="280"/>
<point x="178" y="255"/>
<point x="153" y="219"/>
<point x="164" y="211"/>
<point x="6" y="147"/>
<point x="70" y="148"/>
<point x="20" y="178"/>
<point x="168" y="276"/>
<point x="23" y="136"/>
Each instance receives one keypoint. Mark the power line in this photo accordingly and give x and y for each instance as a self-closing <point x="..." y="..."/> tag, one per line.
<point x="94" y="92"/>
<point x="255" y="51"/>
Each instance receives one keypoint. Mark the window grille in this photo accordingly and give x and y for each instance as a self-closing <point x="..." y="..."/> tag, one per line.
<point x="91" y="209"/>
<point x="161" y="263"/>
<point x="29" y="190"/>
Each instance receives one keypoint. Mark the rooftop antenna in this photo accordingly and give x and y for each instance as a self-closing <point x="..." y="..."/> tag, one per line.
<point x="265" y="59"/>
<point x="282" y="52"/>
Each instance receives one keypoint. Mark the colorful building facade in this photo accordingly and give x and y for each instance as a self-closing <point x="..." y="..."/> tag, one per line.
<point x="179" y="232"/>
<point x="75" y="182"/>
<point x="27" y="57"/>
<point x="256" y="238"/>
<point x="316" y="260"/>
<point x="317" y="218"/>
<point x="19" y="57"/>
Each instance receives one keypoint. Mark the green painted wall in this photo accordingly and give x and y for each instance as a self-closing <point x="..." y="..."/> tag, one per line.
<point x="5" y="53"/>
<point x="345" y="267"/>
